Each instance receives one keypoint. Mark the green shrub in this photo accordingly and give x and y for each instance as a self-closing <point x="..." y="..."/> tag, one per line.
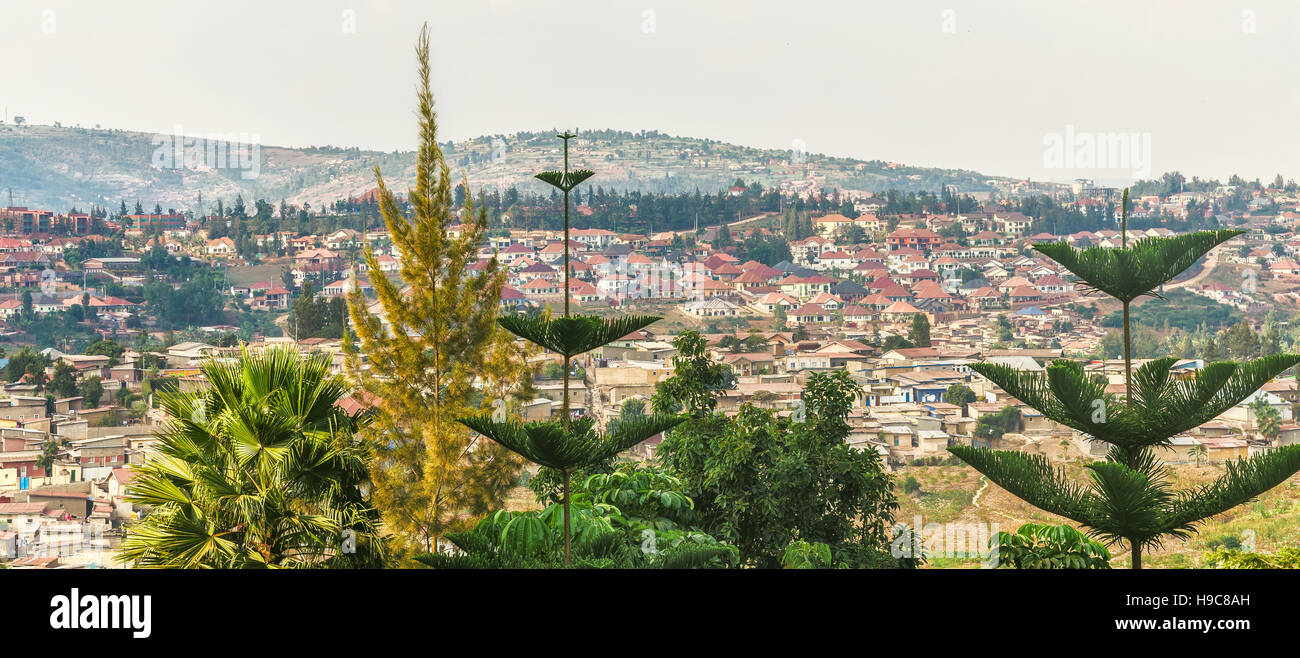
<point x="1287" y="558"/>
<point x="1042" y="546"/>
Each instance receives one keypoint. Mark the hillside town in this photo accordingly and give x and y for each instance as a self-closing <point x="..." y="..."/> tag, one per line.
<point x="904" y="303"/>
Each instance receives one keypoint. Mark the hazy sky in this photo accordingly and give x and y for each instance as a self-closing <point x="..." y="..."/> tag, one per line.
<point x="980" y="85"/>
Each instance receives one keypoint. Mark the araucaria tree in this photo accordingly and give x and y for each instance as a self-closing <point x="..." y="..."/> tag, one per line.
<point x="570" y="443"/>
<point x="431" y="341"/>
<point x="1130" y="498"/>
<point x="260" y="471"/>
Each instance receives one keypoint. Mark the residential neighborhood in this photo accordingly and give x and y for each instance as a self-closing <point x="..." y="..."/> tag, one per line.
<point x="904" y="303"/>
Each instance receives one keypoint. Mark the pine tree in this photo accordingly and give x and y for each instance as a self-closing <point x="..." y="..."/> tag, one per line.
<point x="424" y="350"/>
<point x="1211" y="351"/>
<point x="1130" y="498"/>
<point x="571" y="443"/>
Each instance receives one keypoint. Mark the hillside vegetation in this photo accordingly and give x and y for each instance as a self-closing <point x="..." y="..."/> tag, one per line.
<point x="61" y="167"/>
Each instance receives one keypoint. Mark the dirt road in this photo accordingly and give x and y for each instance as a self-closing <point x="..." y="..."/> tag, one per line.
<point x="1211" y="261"/>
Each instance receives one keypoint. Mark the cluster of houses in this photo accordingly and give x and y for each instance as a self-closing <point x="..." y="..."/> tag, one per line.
<point x="826" y="283"/>
<point x="903" y="411"/>
<point x="64" y="507"/>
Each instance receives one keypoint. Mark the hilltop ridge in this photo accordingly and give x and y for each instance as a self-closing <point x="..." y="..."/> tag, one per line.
<point x="60" y="167"/>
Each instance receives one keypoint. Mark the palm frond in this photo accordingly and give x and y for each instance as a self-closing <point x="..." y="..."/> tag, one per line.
<point x="565" y="181"/>
<point x="565" y="447"/>
<point x="1244" y="480"/>
<point x="1031" y="477"/>
<point x="1221" y="386"/>
<point x="575" y="334"/>
<point x="1128" y="273"/>
<point x="1067" y="395"/>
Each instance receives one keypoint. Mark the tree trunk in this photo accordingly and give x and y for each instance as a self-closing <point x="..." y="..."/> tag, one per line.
<point x="566" y="517"/>
<point x="1137" y="554"/>
<point x="1128" y="360"/>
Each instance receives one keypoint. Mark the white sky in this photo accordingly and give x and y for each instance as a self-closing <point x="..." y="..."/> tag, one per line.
<point x="872" y="80"/>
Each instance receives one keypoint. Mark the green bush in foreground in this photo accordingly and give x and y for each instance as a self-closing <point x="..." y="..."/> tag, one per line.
<point x="634" y="518"/>
<point x="1042" y="546"/>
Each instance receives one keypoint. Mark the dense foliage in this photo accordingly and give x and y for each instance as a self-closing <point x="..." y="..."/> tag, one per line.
<point x="633" y="517"/>
<point x="761" y="481"/>
<point x="260" y="471"/>
<point x="1287" y="558"/>
<point x="1042" y="546"/>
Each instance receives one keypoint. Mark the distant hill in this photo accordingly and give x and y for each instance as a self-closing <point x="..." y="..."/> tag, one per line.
<point x="60" y="167"/>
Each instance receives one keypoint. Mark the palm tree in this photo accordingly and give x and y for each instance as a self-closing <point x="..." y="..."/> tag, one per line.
<point x="1197" y="452"/>
<point x="260" y="471"/>
<point x="1131" y="499"/>
<point x="1268" y="419"/>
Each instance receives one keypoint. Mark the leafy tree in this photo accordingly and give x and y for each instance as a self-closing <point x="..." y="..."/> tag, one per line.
<point x="107" y="348"/>
<point x="314" y="316"/>
<point x="697" y="379"/>
<point x="760" y="481"/>
<point x="64" y="381"/>
<point x="197" y="301"/>
<point x="49" y="453"/>
<point x="632" y="409"/>
<point x="432" y="476"/>
<point x="27" y="362"/>
<point x="92" y="390"/>
<point x="920" y="332"/>
<point x="896" y="343"/>
<point x="1042" y="546"/>
<point x="807" y="555"/>
<point x="1267" y="419"/>
<point x="960" y="395"/>
<point x="1241" y="341"/>
<point x="1130" y="498"/>
<point x="261" y="471"/>
<point x="124" y="397"/>
<point x="993" y="426"/>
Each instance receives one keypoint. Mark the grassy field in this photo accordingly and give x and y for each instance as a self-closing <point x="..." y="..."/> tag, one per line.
<point x="250" y="274"/>
<point x="947" y="495"/>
